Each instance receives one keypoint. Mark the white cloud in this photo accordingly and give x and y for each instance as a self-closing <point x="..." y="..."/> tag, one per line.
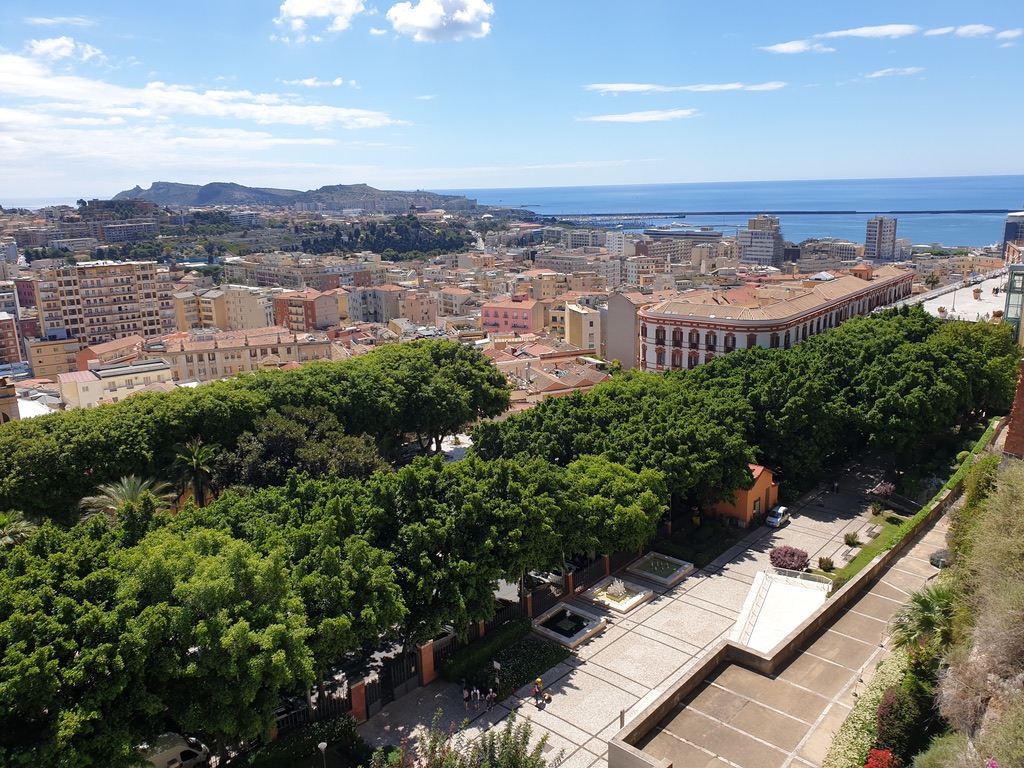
<point x="312" y="82"/>
<point x="939" y="31"/>
<point x="1009" y="34"/>
<point x="295" y="14"/>
<point x="896" y="71"/>
<point x="52" y="48"/>
<point x="1007" y="45"/>
<point x="650" y="116"/>
<point x="375" y="31"/>
<point x="883" y="30"/>
<point x="426" y="97"/>
<point x="49" y="93"/>
<point x="62" y="48"/>
<point x="797" y="46"/>
<point x="439" y="20"/>
<point x="702" y="88"/>
<point x="974" y="30"/>
<point x="54" y="21"/>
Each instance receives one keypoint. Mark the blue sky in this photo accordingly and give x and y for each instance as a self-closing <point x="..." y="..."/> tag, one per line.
<point x="443" y="94"/>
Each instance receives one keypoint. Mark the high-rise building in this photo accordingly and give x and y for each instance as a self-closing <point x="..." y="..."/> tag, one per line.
<point x="761" y="243"/>
<point x="880" y="238"/>
<point x="99" y="301"/>
<point x="1013" y="230"/>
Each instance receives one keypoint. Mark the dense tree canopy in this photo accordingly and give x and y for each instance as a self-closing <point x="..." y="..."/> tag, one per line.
<point x="123" y="627"/>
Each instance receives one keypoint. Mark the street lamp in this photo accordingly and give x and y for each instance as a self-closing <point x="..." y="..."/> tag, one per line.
<point x="323" y="751"/>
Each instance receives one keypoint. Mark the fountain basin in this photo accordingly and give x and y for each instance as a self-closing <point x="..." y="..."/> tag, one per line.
<point x="568" y="626"/>
<point x="661" y="569"/>
<point x="617" y="594"/>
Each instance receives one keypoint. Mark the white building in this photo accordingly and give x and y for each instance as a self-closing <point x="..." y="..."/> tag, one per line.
<point x="880" y="238"/>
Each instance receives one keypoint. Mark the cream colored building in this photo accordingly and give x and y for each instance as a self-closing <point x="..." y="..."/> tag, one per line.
<point x="246" y="306"/>
<point x="110" y="383"/>
<point x="208" y="355"/>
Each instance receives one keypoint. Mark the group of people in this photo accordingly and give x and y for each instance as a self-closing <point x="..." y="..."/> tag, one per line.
<point x="473" y="694"/>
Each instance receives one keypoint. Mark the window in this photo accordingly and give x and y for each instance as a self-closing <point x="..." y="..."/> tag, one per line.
<point x="694" y="339"/>
<point x="774" y="341"/>
<point x="710" y="341"/>
<point x="659" y="336"/>
<point x="660" y="356"/>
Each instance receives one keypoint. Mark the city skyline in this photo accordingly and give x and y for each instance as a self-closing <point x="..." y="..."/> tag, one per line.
<point x="448" y="94"/>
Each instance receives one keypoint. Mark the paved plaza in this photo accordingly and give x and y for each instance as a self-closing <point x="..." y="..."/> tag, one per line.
<point x="642" y="654"/>
<point x="743" y="719"/>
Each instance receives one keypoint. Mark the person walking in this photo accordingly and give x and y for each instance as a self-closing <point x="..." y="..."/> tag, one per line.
<point x="491" y="697"/>
<point x="465" y="697"/>
<point x="476" y="698"/>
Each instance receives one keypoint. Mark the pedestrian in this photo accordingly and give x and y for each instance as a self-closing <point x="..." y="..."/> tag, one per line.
<point x="465" y="697"/>
<point x="835" y="487"/>
<point x="476" y="698"/>
<point x="491" y="697"/>
<point x="536" y="694"/>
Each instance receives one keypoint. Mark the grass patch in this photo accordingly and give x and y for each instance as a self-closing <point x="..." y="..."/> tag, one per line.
<point x="465" y="661"/>
<point x="522" y="658"/>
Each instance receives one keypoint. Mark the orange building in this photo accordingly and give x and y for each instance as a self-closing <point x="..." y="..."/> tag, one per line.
<point x="758" y="499"/>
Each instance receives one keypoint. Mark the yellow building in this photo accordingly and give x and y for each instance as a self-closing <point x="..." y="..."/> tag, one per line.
<point x="111" y="383"/>
<point x="52" y="357"/>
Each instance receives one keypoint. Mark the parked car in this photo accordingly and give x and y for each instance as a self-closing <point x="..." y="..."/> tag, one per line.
<point x="778" y="516"/>
<point x="173" y="749"/>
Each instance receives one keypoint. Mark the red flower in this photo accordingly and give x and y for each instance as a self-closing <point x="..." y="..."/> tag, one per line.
<point x="881" y="758"/>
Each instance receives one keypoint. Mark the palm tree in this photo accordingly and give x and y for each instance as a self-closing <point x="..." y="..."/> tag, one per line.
<point x="926" y="620"/>
<point x="14" y="528"/>
<point x="128" y="490"/>
<point x="194" y="466"/>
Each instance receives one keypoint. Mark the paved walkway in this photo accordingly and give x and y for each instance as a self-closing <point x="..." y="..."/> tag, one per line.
<point x="743" y="719"/>
<point x="640" y="655"/>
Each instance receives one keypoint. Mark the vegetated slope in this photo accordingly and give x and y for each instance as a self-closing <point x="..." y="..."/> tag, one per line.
<point x="336" y="196"/>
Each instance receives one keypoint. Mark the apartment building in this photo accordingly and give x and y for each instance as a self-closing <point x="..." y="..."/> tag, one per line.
<point x="204" y="355"/>
<point x="880" y="238"/>
<point x="201" y="308"/>
<point x="280" y="270"/>
<point x="51" y="357"/>
<point x="684" y="333"/>
<point x="247" y="306"/>
<point x="111" y="383"/>
<point x="512" y="314"/>
<point x="419" y="307"/>
<point x="576" y="324"/>
<point x="10" y="342"/>
<point x="641" y="271"/>
<point x="98" y="301"/>
<point x="304" y="311"/>
<point x="379" y="304"/>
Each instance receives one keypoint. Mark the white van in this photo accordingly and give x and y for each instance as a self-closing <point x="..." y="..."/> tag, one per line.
<point x="172" y="750"/>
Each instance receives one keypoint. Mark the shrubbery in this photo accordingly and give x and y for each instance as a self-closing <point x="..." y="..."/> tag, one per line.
<point x="789" y="557"/>
<point x="898" y="722"/>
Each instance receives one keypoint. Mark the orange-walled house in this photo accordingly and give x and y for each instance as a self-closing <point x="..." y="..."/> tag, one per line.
<point x="758" y="499"/>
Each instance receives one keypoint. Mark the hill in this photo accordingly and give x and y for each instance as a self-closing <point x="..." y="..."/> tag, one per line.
<point x="333" y="197"/>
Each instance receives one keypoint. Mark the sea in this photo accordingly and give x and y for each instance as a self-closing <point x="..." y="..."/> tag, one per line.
<point x="949" y="211"/>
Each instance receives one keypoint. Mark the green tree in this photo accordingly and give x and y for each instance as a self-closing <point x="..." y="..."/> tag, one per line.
<point x="14" y="528"/>
<point x="111" y="497"/>
<point x="931" y="281"/>
<point x="926" y="619"/>
<point x="194" y="467"/>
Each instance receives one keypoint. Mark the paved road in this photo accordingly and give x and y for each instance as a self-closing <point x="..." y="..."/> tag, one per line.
<point x="641" y="654"/>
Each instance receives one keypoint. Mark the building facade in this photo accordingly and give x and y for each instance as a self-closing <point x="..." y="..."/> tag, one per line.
<point x="880" y="238"/>
<point x="99" y="301"/>
<point x="209" y="355"/>
<point x="677" y="335"/>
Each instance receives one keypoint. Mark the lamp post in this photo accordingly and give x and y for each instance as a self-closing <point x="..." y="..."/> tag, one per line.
<point x="322" y="746"/>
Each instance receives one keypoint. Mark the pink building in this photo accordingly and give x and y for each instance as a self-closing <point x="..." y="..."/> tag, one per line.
<point x="516" y="314"/>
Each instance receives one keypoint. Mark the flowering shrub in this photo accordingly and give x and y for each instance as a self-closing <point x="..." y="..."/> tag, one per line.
<point x="852" y="745"/>
<point x="900" y="731"/>
<point x="788" y="557"/>
<point x="881" y="758"/>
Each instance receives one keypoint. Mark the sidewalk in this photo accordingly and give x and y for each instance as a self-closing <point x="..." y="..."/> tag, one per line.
<point x="641" y="654"/>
